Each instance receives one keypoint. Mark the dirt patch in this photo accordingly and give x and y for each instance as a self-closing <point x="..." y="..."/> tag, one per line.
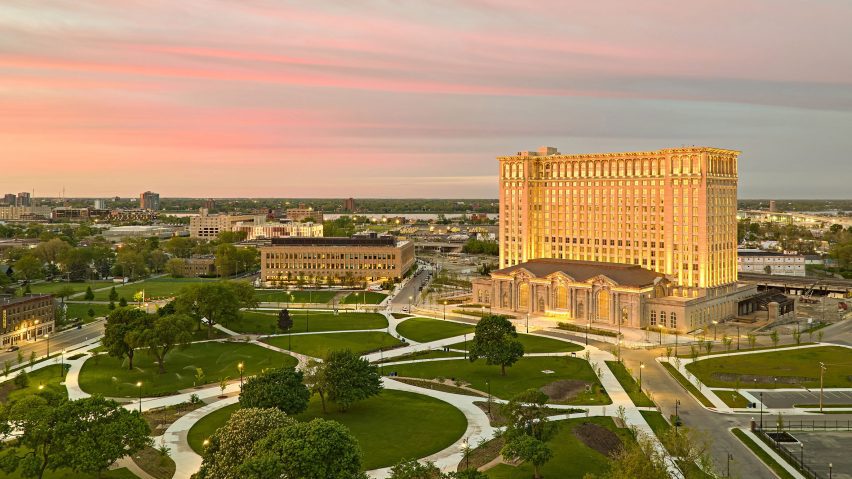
<point x="598" y="438"/>
<point x="158" y="465"/>
<point x="444" y="386"/>
<point x="564" y="389"/>
<point x="483" y="454"/>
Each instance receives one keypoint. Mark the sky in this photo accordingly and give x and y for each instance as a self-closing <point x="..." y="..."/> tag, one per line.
<point x="395" y="98"/>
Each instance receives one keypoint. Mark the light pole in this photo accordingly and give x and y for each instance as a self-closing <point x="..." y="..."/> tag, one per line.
<point x="761" y="409"/>
<point x="738" y="337"/>
<point x="139" y="385"/>
<point x="714" y="329"/>
<point x="47" y="337"/>
<point x="62" y="363"/>
<point x="821" y="374"/>
<point x="528" y="322"/>
<point x="465" y="345"/>
<point x="730" y="458"/>
<point x="445" y="310"/>
<point x="409" y="304"/>
<point x="676" y="418"/>
<point x="830" y="467"/>
<point x="641" y="367"/>
<point x="802" y="454"/>
<point x="240" y="367"/>
<point x="488" y="383"/>
<point x="465" y="450"/>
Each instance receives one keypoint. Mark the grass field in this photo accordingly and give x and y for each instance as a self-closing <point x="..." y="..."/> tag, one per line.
<point x="365" y="297"/>
<point x="81" y="310"/>
<point x="424" y="330"/>
<point x="77" y="287"/>
<point x="110" y="377"/>
<point x="799" y="366"/>
<point x="154" y="288"/>
<point x="390" y="427"/>
<point x="428" y="354"/>
<point x="763" y="455"/>
<point x="572" y="459"/>
<point x="527" y="373"/>
<point x="49" y="377"/>
<point x="281" y="296"/>
<point x="267" y="321"/>
<point x="732" y="398"/>
<point x="688" y="385"/>
<point x="720" y="349"/>
<point x="536" y="344"/>
<point x="629" y="384"/>
<point x="318" y="345"/>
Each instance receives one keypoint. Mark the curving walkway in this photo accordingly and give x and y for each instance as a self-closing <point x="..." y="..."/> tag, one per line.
<point x="186" y="460"/>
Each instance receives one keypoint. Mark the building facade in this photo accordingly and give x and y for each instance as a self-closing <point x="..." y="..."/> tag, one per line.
<point x="24" y="199"/>
<point x="207" y="226"/>
<point x="337" y="260"/>
<point x="279" y="230"/>
<point x="149" y="201"/>
<point x="303" y="213"/>
<point x="25" y="318"/>
<point x="196" y="267"/>
<point x="23" y="213"/>
<point x="766" y="262"/>
<point x="670" y="212"/>
<point x="349" y="204"/>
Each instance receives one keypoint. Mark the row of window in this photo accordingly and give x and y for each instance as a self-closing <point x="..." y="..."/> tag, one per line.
<point x="329" y="266"/>
<point x="664" y="322"/>
<point x="357" y="256"/>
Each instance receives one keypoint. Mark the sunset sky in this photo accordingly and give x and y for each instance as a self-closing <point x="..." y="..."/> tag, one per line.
<point x="401" y="98"/>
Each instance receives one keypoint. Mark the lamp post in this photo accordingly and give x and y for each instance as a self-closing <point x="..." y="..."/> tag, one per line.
<point x="761" y="409"/>
<point x="139" y="385"/>
<point x="465" y="345"/>
<point x="465" y="450"/>
<point x="714" y="329"/>
<point x="676" y="418"/>
<point x="528" y="322"/>
<point x="738" y="337"/>
<point x="730" y="458"/>
<point x="830" y="467"/>
<point x="206" y="443"/>
<point x="802" y="454"/>
<point x="445" y="310"/>
<point x="409" y="303"/>
<point x="47" y="337"/>
<point x="240" y="367"/>
<point x="488" y="383"/>
<point x="641" y="367"/>
<point x="61" y="363"/>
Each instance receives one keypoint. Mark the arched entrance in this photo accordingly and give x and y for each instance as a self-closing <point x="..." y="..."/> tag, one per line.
<point x="524" y="296"/>
<point x="561" y="296"/>
<point x="603" y="305"/>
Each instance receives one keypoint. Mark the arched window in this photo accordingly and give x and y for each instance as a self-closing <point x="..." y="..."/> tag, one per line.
<point x="603" y="305"/>
<point x="524" y="296"/>
<point x="662" y="319"/>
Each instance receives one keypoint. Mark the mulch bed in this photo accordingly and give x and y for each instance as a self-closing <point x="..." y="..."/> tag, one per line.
<point x="564" y="390"/>
<point x="598" y="438"/>
<point x="483" y="454"/>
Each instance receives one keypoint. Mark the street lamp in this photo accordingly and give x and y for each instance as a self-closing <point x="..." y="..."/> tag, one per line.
<point x="714" y="329"/>
<point x="206" y="443"/>
<point x="47" y="337"/>
<point x="641" y="367"/>
<point x="139" y="385"/>
<point x="61" y="363"/>
<point x="528" y="322"/>
<point x="445" y="310"/>
<point x="730" y="458"/>
<point x="488" y="383"/>
<point x="465" y="345"/>
<point x="240" y="367"/>
<point x="464" y="447"/>
<point x="830" y="467"/>
<point x="761" y="409"/>
<point x="802" y="454"/>
<point x="676" y="418"/>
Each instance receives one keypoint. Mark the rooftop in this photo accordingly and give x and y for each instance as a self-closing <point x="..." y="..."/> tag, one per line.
<point x="582" y="271"/>
<point x="10" y="300"/>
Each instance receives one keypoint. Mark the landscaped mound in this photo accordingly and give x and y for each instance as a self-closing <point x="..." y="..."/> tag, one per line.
<point x="564" y="389"/>
<point x="598" y="438"/>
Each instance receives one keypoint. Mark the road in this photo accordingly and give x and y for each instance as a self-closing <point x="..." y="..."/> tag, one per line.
<point x="58" y="341"/>
<point x="411" y="289"/>
<point x="839" y="333"/>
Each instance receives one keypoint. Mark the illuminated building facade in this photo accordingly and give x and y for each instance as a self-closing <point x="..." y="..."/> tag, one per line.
<point x="25" y="318"/>
<point x="670" y="211"/>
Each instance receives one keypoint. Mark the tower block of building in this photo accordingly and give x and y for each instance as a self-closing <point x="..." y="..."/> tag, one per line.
<point x="670" y="212"/>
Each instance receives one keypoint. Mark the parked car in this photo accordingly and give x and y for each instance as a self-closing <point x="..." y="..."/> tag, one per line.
<point x="12" y="349"/>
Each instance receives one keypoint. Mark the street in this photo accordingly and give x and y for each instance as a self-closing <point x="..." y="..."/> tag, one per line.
<point x="58" y="341"/>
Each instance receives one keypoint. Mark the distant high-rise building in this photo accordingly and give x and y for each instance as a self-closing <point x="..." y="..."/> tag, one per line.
<point x="349" y="204"/>
<point x="100" y="204"/>
<point x="149" y="201"/>
<point x="209" y="203"/>
<point x="772" y="207"/>
<point x="10" y="199"/>
<point x="24" y="199"/>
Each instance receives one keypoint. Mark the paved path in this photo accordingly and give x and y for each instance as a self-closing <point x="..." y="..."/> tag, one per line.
<point x="186" y="460"/>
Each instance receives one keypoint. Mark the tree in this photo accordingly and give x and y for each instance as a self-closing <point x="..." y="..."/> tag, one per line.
<point x="635" y="460"/>
<point x="51" y="251"/>
<point x="218" y="302"/>
<point x="89" y="295"/>
<point x="351" y="378"/>
<point x="118" y="339"/>
<point x="122" y="302"/>
<point x="113" y="294"/>
<point x="103" y="432"/>
<point x="32" y="420"/>
<point x="91" y="313"/>
<point x="76" y="263"/>
<point x="163" y="335"/>
<point x="316" y="380"/>
<point x="285" y="322"/>
<point x="527" y="413"/>
<point x="174" y="267"/>
<point x="281" y="388"/>
<point x="708" y="346"/>
<point x="232" y="443"/>
<point x="28" y="268"/>
<point x="413" y="469"/>
<point x="157" y="260"/>
<point x="131" y="263"/>
<point x="496" y="340"/>
<point x="752" y="340"/>
<point x="773" y="336"/>
<point x="528" y="449"/>
<point x="318" y="449"/>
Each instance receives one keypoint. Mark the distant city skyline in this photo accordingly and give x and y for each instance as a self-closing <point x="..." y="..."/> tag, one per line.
<point x="373" y="99"/>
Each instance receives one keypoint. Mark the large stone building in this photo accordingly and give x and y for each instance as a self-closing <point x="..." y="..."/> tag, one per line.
<point x="207" y="226"/>
<point x="305" y="213"/>
<point x="255" y="231"/>
<point x="767" y="262"/>
<point x="671" y="213"/>
<point x="340" y="260"/>
<point x="25" y="318"/>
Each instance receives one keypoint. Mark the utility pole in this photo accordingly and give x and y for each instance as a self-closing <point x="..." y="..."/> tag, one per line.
<point x="821" y="375"/>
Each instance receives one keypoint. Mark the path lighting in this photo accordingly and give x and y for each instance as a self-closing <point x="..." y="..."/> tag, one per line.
<point x="830" y="467"/>
<point x="40" y="387"/>
<point x="139" y="385"/>
<point x="445" y="310"/>
<point x="528" y="322"/>
<point x="409" y="303"/>
<point x="47" y="337"/>
<point x="676" y="418"/>
<point x="488" y="383"/>
<point x="730" y="458"/>
<point x="206" y="442"/>
<point x="761" y="409"/>
<point x="641" y="367"/>
<point x="464" y="447"/>
<point x="240" y="367"/>
<point x="714" y="329"/>
<point x="465" y="345"/>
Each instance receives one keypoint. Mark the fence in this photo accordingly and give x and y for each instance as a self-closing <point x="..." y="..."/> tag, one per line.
<point x="795" y="460"/>
<point x="813" y="425"/>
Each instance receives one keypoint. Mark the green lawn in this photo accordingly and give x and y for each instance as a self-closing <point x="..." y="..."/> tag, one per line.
<point x="365" y="297"/>
<point x="281" y="296"/>
<point x="537" y="344"/>
<point x="318" y="345"/>
<point x="49" y="377"/>
<point x="110" y="377"/>
<point x="154" y="288"/>
<point x="572" y="459"/>
<point x="657" y="422"/>
<point x="687" y="385"/>
<point x="81" y="310"/>
<point x="429" y="354"/>
<point x="424" y="330"/>
<point x="732" y="398"/>
<point x="389" y="428"/>
<point x="267" y="321"/>
<point x="801" y="365"/>
<point x="629" y="384"/>
<point x="527" y="373"/>
<point x="77" y="287"/>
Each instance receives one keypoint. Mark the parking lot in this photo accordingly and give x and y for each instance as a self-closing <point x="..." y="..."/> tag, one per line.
<point x="824" y="448"/>
<point x="788" y="399"/>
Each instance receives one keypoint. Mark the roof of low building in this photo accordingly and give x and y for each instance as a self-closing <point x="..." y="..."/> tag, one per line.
<point x="582" y="271"/>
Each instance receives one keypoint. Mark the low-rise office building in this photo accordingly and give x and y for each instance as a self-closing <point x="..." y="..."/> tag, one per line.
<point x="207" y="226"/>
<point x="26" y="318"/>
<point x="305" y="213"/>
<point x="197" y="267"/>
<point x="337" y="260"/>
<point x="278" y="230"/>
<point x="766" y="262"/>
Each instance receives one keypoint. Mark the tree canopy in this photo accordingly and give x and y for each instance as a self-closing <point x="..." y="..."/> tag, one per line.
<point x="218" y="302"/>
<point x="496" y="340"/>
<point x="350" y="378"/>
<point x="281" y="388"/>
